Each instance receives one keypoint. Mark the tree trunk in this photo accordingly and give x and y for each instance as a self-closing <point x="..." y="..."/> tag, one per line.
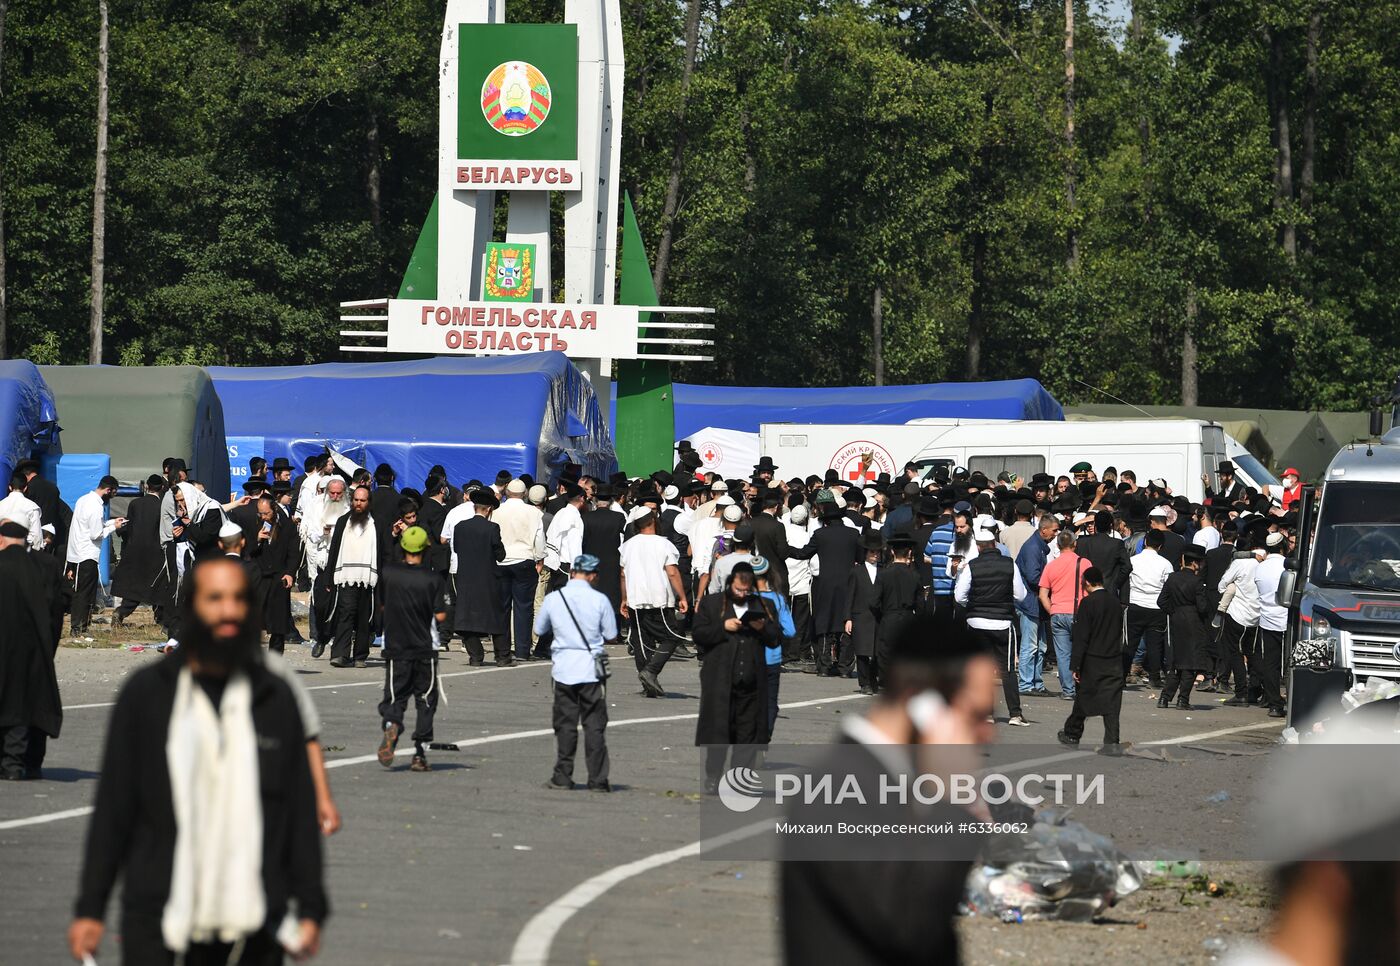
<point x="1072" y="246"/>
<point x="1189" y="368"/>
<point x="4" y="334"/>
<point x="373" y="176"/>
<point x="673" y="181"/>
<point x="1283" y="197"/>
<point x="1305" y="176"/>
<point x="99" y="192"/>
<point x="1144" y="125"/>
<point x="975" y="319"/>
<point x="877" y="321"/>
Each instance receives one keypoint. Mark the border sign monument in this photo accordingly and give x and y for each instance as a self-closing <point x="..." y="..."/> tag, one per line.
<point x="527" y="111"/>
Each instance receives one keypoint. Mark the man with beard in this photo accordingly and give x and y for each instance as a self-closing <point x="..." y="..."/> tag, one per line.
<point x="837" y="549"/>
<point x="246" y="516"/>
<point x="44" y="494"/>
<point x="1096" y="662"/>
<point x="211" y="817"/>
<point x="31" y="711"/>
<point x="141" y="566"/>
<point x="414" y="606"/>
<point x="733" y="629"/>
<point x="384" y="501"/>
<point x="318" y="521"/>
<point x="351" y="574"/>
<point x="273" y="555"/>
<point x="602" y="538"/>
<point x="85" y="538"/>
<point x="478" y="548"/>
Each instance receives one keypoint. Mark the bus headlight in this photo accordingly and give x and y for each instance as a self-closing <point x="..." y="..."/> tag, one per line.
<point x="1321" y="627"/>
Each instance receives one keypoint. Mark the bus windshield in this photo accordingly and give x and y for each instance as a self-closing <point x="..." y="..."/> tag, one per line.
<point x="1358" y="537"/>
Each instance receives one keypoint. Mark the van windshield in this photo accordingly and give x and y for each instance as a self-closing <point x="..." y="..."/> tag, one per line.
<point x="1255" y="470"/>
<point x="1358" y="537"/>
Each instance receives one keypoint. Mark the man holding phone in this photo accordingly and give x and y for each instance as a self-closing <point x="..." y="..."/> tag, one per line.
<point x="85" y="537"/>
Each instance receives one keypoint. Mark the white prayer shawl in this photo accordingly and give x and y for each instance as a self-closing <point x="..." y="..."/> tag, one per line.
<point x="358" y="561"/>
<point x="316" y="514"/>
<point x="197" y="504"/>
<point x="216" y="887"/>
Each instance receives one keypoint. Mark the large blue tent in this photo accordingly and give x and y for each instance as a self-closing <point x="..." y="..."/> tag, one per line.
<point x="27" y="414"/>
<point x="743" y="408"/>
<point x="528" y="414"/>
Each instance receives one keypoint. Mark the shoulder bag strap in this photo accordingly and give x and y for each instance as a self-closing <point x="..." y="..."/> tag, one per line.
<point x="581" y="635"/>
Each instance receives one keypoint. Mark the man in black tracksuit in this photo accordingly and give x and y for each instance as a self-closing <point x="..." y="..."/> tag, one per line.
<point x="414" y="606"/>
<point x="134" y="831"/>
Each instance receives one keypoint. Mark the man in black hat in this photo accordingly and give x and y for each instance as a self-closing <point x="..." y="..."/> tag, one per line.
<point x="770" y="538"/>
<point x="384" y="501"/>
<point x="246" y="516"/>
<point x="478" y="548"/>
<point x="602" y="538"/>
<point x="1096" y="662"/>
<point x="837" y="549"/>
<point x="31" y="711"/>
<point x="142" y="564"/>
<point x="281" y="470"/>
<point x="1104" y="550"/>
<point x="257" y="469"/>
<point x="1187" y="605"/>
<point x="1230" y="489"/>
<point x="764" y="469"/>
<point x="864" y="624"/>
<point x="687" y="461"/>
<point x="52" y="509"/>
<point x="351" y="574"/>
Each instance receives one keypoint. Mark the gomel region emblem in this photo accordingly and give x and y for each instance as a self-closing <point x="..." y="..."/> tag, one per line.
<point x="515" y="98"/>
<point x="509" y="275"/>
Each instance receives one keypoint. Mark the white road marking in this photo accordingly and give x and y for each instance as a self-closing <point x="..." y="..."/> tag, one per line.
<point x="355" y="684"/>
<point x="464" y="743"/>
<point x="535" y="940"/>
<point x="43" y="819"/>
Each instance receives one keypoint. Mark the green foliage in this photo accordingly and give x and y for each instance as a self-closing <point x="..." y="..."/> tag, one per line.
<point x="832" y="146"/>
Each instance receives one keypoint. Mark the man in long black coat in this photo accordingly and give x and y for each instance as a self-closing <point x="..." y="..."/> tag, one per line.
<point x="732" y="630"/>
<point x="602" y="537"/>
<point x="770" y="538"/>
<point x="246" y="516"/>
<point x="52" y="509"/>
<point x="273" y="554"/>
<point x="1096" y="661"/>
<point x="1186" y="602"/>
<point x="865" y="625"/>
<point x="31" y="711"/>
<point x="384" y="501"/>
<point x="476" y="542"/>
<point x="142" y="565"/>
<point x="1104" y="550"/>
<point x="837" y="549"/>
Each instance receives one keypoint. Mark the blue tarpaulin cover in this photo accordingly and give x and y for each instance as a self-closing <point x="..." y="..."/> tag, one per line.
<point x="474" y="416"/>
<point x="743" y="408"/>
<point x="27" y="414"/>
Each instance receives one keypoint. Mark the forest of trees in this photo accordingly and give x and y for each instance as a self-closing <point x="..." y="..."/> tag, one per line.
<point x="1198" y="202"/>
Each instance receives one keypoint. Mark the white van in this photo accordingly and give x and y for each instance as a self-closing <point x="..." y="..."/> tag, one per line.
<point x="1177" y="450"/>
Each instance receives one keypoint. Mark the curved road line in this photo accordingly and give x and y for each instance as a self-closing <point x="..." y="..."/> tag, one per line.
<point x="535" y="940"/>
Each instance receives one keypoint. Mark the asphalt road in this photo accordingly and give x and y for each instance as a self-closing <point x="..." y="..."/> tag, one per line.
<point x="477" y="862"/>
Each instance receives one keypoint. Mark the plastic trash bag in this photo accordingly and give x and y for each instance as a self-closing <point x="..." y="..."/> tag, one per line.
<point x="1375" y="689"/>
<point x="1058" y="870"/>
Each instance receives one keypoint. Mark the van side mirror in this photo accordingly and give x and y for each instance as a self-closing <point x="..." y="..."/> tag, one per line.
<point x="1377" y="422"/>
<point x="1287" y="582"/>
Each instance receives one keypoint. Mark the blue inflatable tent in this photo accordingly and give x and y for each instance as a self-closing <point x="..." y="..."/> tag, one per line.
<point x="527" y="414"/>
<point x="27" y="415"/>
<point x="743" y="408"/>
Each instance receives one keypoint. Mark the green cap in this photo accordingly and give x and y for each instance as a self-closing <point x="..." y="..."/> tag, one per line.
<point x="414" y="540"/>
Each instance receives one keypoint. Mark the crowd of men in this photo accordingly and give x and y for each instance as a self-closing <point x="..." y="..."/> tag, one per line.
<point x="1115" y="583"/>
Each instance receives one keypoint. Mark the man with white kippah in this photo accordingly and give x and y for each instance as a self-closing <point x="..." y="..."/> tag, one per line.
<point x="518" y="575"/>
<point x="987" y="587"/>
<point x="651" y="586"/>
<point x="1273" y="620"/>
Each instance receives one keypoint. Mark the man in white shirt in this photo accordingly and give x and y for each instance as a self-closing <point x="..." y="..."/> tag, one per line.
<point x="564" y="541"/>
<point x="522" y="532"/>
<point x="703" y="533"/>
<point x="1273" y="620"/>
<point x="651" y="586"/>
<point x="24" y="511"/>
<point x="1146" y="622"/>
<point x="85" y="536"/>
<point x="1239" y="630"/>
<point x="800" y="573"/>
<point x="1208" y="537"/>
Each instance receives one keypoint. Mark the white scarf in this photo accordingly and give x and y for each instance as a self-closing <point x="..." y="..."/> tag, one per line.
<point x="216" y="888"/>
<point x="358" y="562"/>
<point x="196" y="502"/>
